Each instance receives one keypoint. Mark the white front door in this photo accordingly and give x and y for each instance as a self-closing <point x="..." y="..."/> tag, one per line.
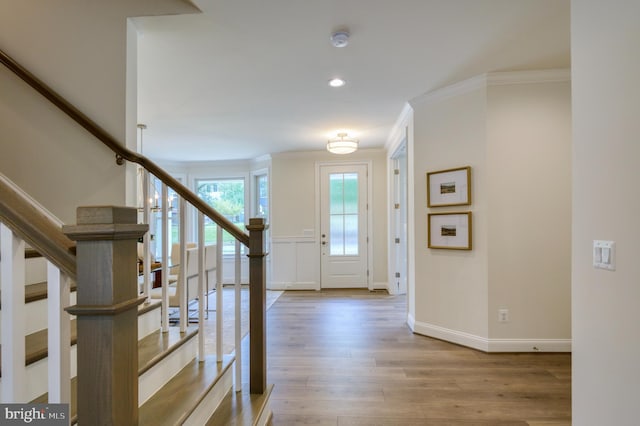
<point x="343" y="226"/>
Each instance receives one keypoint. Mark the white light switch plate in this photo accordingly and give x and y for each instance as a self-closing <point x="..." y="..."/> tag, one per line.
<point x="604" y="255"/>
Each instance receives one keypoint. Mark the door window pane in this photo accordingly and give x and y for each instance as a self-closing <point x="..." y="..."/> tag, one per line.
<point x="343" y="212"/>
<point x="262" y="195"/>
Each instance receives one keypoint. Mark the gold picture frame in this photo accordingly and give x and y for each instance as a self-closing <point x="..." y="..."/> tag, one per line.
<point x="451" y="187"/>
<point x="452" y="231"/>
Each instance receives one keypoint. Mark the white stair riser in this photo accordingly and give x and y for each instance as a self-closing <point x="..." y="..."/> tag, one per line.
<point x="149" y="322"/>
<point x="36" y="314"/>
<point x="152" y="380"/>
<point x="36" y="318"/>
<point x="35" y="270"/>
<point x="37" y="380"/>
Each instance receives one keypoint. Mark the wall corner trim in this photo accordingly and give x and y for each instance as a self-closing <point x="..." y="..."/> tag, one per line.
<point x="397" y="132"/>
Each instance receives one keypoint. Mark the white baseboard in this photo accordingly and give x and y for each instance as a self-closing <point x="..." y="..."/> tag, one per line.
<point x="381" y="286"/>
<point x="529" y="345"/>
<point x="294" y="286"/>
<point x="488" y="345"/>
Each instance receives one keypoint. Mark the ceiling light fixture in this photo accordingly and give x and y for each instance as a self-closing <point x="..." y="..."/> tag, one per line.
<point x="342" y="144"/>
<point x="337" y="82"/>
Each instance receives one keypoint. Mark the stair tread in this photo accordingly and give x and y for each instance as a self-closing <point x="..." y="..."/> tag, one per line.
<point x="177" y="399"/>
<point x="158" y="345"/>
<point x="36" y="344"/>
<point x="240" y="409"/>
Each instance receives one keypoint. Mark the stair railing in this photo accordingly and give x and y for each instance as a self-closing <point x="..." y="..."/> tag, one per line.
<point x="23" y="219"/>
<point x="254" y="241"/>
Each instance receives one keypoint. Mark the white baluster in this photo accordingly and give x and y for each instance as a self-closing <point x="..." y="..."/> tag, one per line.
<point x="165" y="259"/>
<point x="219" y="318"/>
<point x="59" y="335"/>
<point x="146" y="239"/>
<point x="238" y="319"/>
<point x="12" y="279"/>
<point x="182" y="275"/>
<point x="201" y="295"/>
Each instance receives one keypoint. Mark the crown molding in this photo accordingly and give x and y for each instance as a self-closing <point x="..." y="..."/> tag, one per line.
<point x="492" y="79"/>
<point x="528" y="77"/>
<point x="453" y="90"/>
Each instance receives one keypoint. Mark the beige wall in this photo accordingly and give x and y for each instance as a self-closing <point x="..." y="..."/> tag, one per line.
<point x="606" y="206"/>
<point x="79" y="49"/>
<point x="293" y="199"/>
<point x="529" y="218"/>
<point x="514" y="130"/>
<point x="451" y="287"/>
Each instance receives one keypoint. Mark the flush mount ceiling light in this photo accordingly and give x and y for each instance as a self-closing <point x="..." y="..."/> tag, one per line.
<point x="342" y="144"/>
<point x="340" y="38"/>
<point x="337" y="82"/>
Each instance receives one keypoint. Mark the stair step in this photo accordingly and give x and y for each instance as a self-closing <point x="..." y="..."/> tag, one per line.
<point x="198" y="386"/>
<point x="152" y="350"/>
<point x="243" y="409"/>
<point x="158" y="345"/>
<point x="36" y="343"/>
<point x="37" y="291"/>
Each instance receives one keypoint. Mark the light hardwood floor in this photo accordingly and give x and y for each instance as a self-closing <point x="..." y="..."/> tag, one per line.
<point x="346" y="357"/>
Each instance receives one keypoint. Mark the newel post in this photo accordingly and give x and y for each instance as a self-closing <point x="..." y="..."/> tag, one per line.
<point x="107" y="315"/>
<point x="257" y="307"/>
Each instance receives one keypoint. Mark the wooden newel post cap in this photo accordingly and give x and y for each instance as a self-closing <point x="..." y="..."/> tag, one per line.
<point x="257" y="224"/>
<point x="105" y="223"/>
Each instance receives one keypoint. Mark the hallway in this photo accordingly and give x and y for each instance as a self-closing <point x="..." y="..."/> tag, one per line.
<point x="346" y="357"/>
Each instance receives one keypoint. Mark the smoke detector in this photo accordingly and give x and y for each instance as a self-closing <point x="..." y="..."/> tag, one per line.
<point x="340" y="38"/>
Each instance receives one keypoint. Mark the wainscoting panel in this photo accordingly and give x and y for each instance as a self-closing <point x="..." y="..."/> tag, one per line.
<point x="295" y="264"/>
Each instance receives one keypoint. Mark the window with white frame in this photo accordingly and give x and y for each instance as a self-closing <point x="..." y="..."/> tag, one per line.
<point x="226" y="195"/>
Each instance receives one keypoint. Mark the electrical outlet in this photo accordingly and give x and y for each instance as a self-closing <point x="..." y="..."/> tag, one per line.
<point x="503" y="315"/>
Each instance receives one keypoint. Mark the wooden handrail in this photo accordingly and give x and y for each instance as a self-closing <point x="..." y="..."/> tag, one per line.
<point x="122" y="153"/>
<point x="37" y="229"/>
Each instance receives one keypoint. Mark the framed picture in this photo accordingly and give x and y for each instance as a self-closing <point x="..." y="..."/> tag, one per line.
<point x="449" y="187"/>
<point x="449" y="231"/>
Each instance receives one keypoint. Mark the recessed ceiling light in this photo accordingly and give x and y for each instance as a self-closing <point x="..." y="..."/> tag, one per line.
<point x="337" y="82"/>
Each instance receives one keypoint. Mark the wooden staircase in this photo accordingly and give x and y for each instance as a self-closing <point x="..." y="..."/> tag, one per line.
<point x="174" y="387"/>
<point x="173" y="384"/>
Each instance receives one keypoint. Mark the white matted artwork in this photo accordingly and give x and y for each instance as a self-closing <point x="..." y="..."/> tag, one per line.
<point x="449" y="231"/>
<point x="450" y="187"/>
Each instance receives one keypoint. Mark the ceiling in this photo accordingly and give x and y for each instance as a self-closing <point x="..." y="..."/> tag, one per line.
<point x="247" y="78"/>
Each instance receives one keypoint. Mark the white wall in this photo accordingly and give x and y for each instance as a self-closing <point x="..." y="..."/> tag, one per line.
<point x="41" y="148"/>
<point x="514" y="130"/>
<point x="606" y="150"/>
<point x="294" y="216"/>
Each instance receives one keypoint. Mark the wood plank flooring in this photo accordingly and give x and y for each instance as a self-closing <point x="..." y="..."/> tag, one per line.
<point x="346" y="357"/>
